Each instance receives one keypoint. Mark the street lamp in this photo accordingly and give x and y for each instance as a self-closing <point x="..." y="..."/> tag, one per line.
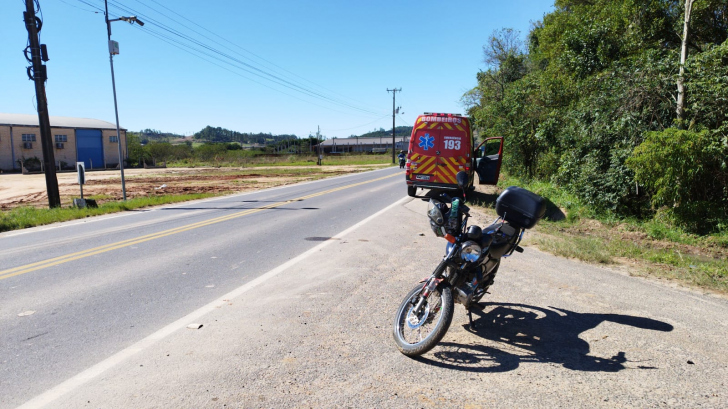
<point x="114" y="49"/>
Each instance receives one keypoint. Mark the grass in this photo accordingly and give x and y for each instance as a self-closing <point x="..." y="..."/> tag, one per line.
<point x="24" y="217"/>
<point x="262" y="171"/>
<point x="287" y="160"/>
<point x="644" y="257"/>
<point x="583" y="248"/>
<point x="648" y="248"/>
<point x="343" y="160"/>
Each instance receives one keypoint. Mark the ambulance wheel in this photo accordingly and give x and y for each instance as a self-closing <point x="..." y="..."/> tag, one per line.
<point x="412" y="190"/>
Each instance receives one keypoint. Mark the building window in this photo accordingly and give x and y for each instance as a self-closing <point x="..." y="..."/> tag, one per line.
<point x="28" y="137"/>
<point x="114" y="139"/>
<point x="61" y="138"/>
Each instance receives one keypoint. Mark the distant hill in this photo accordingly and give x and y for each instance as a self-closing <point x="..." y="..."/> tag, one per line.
<point x="398" y="131"/>
<point x="218" y="134"/>
<point x="223" y="135"/>
<point x="146" y="135"/>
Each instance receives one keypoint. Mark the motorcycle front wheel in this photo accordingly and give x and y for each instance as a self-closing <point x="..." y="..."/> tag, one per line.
<point x="417" y="332"/>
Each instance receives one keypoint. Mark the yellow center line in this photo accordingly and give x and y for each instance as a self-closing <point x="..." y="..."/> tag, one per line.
<point x="11" y="272"/>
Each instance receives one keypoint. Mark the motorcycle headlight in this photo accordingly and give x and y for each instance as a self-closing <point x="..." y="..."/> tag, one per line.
<point x="470" y="251"/>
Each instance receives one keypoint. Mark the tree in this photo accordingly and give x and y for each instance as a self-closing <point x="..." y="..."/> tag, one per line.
<point x="134" y="148"/>
<point x="683" y="56"/>
<point x="159" y="150"/>
<point x="598" y="81"/>
<point x="505" y="59"/>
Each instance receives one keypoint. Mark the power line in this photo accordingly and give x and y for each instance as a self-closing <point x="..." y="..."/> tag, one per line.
<point x="238" y="46"/>
<point x="80" y="8"/>
<point x="241" y="64"/>
<point x="178" y="45"/>
<point x="198" y="43"/>
<point x="91" y="5"/>
<point x="360" y="126"/>
<point x="402" y="119"/>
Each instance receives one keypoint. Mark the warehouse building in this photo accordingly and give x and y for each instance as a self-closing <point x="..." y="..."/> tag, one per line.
<point x="369" y="144"/>
<point x="91" y="141"/>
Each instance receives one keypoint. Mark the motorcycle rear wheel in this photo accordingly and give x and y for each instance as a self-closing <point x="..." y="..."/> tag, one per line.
<point x="417" y="333"/>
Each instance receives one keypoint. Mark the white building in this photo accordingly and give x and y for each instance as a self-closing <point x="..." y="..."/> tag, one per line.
<point x="91" y="141"/>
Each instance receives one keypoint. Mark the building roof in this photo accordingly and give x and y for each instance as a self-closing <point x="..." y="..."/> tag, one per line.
<point x="364" y="141"/>
<point x="56" y="121"/>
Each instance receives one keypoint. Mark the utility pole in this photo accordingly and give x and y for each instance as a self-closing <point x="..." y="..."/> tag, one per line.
<point x="394" y="110"/>
<point x="112" y="51"/>
<point x="39" y="75"/>
<point x="318" y="145"/>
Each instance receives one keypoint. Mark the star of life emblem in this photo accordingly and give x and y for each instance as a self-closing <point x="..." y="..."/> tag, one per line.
<point x="427" y="142"/>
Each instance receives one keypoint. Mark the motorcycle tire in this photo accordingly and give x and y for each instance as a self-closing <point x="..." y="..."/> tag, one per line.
<point x="439" y="304"/>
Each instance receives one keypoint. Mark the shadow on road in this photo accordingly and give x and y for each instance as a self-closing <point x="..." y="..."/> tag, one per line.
<point x="246" y="207"/>
<point x="239" y="208"/>
<point x="525" y="333"/>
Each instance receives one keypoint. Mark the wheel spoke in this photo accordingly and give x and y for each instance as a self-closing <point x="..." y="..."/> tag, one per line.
<point x="416" y="327"/>
<point x="416" y="333"/>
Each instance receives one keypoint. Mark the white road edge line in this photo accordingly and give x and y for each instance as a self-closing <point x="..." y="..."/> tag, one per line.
<point x="73" y="383"/>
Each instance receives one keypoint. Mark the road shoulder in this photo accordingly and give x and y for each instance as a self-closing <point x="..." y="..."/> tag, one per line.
<point x="319" y="334"/>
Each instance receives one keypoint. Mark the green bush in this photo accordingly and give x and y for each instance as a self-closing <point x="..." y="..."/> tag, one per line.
<point x="687" y="172"/>
<point x="32" y="164"/>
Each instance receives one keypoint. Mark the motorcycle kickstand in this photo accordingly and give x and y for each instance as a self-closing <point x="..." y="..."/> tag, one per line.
<point x="470" y="317"/>
<point x="470" y="313"/>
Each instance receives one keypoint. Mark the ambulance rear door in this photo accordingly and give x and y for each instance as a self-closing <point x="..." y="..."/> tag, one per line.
<point x="424" y="144"/>
<point x="454" y="149"/>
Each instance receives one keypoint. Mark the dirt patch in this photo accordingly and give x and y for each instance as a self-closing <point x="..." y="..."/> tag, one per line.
<point x="30" y="190"/>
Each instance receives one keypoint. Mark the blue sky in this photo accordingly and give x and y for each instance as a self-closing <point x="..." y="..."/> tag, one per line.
<point x="319" y="63"/>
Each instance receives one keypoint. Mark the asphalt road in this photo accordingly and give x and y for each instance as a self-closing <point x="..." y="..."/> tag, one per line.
<point x="99" y="285"/>
<point x="311" y="327"/>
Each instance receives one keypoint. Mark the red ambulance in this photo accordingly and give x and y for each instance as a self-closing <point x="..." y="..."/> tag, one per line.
<point x="441" y="145"/>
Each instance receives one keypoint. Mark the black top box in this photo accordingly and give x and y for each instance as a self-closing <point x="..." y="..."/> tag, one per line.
<point x="520" y="207"/>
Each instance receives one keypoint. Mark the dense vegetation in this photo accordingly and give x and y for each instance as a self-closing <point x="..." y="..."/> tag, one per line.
<point x="154" y="153"/>
<point x="590" y="103"/>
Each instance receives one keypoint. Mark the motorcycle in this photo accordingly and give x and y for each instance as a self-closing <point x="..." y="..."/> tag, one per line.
<point x="468" y="269"/>
<point x="402" y="161"/>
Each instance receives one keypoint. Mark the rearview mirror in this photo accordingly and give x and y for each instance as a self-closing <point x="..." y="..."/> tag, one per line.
<point x="462" y="179"/>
